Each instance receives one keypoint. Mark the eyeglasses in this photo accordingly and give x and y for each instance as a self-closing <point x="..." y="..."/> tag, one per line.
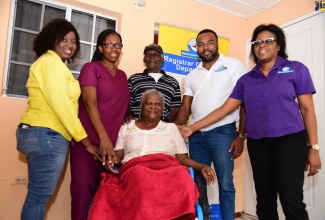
<point x="111" y="45"/>
<point x="267" y="41"/>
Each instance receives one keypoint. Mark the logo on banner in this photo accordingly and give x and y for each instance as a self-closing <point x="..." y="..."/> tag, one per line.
<point x="191" y="52"/>
<point x="184" y="63"/>
<point x="319" y="6"/>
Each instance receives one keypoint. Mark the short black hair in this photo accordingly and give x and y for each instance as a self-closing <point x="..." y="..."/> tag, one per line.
<point x="280" y="39"/>
<point x="53" y="33"/>
<point x="207" y="31"/>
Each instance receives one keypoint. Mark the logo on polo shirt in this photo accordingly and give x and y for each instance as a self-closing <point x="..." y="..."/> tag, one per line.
<point x="221" y="68"/>
<point x="286" y="70"/>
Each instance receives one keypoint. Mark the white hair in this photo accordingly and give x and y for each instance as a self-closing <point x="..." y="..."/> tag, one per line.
<point x="149" y="92"/>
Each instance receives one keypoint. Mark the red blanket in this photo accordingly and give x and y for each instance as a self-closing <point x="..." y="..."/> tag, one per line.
<point x="150" y="187"/>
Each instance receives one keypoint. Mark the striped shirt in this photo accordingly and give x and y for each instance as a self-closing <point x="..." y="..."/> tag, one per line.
<point x="167" y="85"/>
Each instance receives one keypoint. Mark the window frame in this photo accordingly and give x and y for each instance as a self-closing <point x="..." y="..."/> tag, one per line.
<point x="69" y="7"/>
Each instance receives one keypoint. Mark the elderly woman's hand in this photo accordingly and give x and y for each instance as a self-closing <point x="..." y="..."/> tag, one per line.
<point x="111" y="167"/>
<point x="208" y="174"/>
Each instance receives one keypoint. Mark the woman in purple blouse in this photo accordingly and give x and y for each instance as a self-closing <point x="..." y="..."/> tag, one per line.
<point x="280" y="123"/>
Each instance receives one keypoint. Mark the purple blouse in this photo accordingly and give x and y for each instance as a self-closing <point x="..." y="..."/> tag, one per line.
<point x="270" y="102"/>
<point x="112" y="99"/>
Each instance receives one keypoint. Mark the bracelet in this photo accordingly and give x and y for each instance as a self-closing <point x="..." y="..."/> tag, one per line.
<point x="242" y="136"/>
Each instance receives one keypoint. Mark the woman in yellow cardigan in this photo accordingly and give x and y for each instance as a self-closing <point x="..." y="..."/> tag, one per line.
<point x="50" y="120"/>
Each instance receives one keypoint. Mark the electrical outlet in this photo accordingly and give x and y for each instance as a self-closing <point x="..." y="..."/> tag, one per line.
<point x="20" y="180"/>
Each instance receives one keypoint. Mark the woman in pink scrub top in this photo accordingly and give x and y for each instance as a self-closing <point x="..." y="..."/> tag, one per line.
<point x="102" y="108"/>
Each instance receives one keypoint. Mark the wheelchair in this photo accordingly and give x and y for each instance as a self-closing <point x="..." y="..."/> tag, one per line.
<point x="198" y="208"/>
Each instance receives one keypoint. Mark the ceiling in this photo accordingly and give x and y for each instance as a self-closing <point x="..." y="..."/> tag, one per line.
<point x="242" y="8"/>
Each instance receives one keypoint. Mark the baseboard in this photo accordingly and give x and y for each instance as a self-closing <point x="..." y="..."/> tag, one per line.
<point x="247" y="216"/>
<point x="238" y="214"/>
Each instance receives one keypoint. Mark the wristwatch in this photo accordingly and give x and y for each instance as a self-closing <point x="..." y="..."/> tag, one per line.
<point x="242" y="136"/>
<point x="314" y="147"/>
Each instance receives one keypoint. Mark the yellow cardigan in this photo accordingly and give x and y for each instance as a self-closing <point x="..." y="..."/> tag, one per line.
<point x="53" y="97"/>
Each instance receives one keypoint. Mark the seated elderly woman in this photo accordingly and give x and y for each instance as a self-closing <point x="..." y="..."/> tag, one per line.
<point x="154" y="180"/>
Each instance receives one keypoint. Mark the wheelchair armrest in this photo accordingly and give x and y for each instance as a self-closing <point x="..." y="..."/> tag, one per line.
<point x="198" y="208"/>
<point x="191" y="172"/>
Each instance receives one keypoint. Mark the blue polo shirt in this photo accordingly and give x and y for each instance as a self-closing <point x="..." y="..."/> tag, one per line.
<point x="270" y="102"/>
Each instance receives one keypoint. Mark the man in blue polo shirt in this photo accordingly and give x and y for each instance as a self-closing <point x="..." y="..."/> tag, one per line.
<point x="153" y="77"/>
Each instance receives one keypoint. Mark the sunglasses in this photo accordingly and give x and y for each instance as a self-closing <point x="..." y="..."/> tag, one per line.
<point x="267" y="41"/>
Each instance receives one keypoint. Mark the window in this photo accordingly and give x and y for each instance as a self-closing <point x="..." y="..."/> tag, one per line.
<point x="29" y="18"/>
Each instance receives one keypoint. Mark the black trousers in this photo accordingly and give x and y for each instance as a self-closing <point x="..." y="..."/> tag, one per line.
<point x="278" y="169"/>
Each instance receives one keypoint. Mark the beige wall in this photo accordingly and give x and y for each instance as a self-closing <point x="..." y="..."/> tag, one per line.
<point x="136" y="29"/>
